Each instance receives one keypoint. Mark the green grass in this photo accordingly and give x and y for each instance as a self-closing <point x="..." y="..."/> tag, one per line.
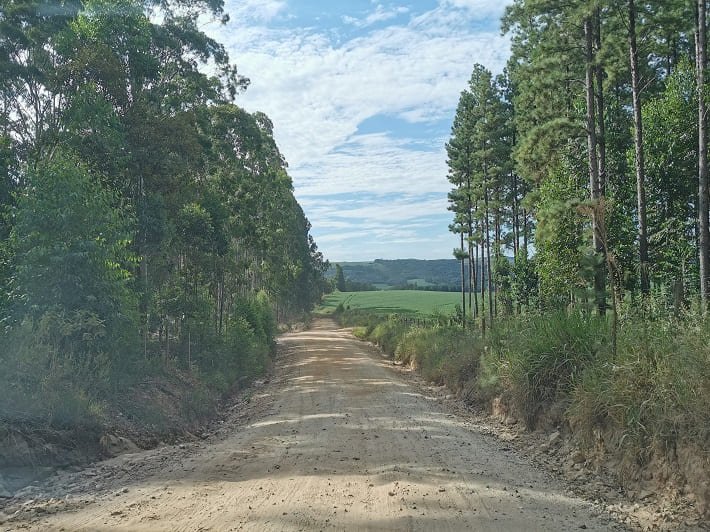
<point x="393" y="302"/>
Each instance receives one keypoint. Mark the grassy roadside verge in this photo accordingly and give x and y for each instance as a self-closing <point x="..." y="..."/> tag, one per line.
<point x="646" y="408"/>
<point x="60" y="409"/>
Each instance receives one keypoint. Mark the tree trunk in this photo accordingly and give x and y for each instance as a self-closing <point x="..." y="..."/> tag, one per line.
<point x="516" y="217"/>
<point x="474" y="285"/>
<point x="599" y="277"/>
<point x="489" y="280"/>
<point x="497" y="245"/>
<point x="221" y="303"/>
<point x="703" y="222"/>
<point x="471" y="275"/>
<point x="601" y="139"/>
<point x="638" y="147"/>
<point x="463" y="280"/>
<point x="471" y="264"/>
<point x="482" y="266"/>
<point x="470" y="216"/>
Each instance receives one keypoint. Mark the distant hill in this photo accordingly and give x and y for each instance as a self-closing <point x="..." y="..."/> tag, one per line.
<point x="443" y="273"/>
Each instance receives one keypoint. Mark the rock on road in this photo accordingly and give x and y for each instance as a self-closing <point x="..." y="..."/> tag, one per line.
<point x="337" y="440"/>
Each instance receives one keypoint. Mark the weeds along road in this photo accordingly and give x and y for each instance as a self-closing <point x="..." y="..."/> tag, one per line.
<point x="337" y="440"/>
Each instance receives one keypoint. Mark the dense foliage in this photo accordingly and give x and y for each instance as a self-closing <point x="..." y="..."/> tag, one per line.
<point x="145" y="216"/>
<point x="586" y="159"/>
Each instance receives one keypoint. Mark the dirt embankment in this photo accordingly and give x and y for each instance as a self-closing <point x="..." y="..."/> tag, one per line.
<point x="336" y="440"/>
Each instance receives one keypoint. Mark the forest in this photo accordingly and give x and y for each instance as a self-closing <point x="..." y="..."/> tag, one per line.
<point x="148" y="223"/>
<point x="586" y="160"/>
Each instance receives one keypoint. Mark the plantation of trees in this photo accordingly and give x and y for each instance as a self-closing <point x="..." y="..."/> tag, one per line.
<point x="148" y="222"/>
<point x="587" y="159"/>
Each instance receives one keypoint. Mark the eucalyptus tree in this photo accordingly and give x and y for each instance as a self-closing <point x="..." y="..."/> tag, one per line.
<point x="111" y="100"/>
<point x="32" y="94"/>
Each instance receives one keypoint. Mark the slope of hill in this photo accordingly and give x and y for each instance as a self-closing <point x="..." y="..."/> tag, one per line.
<point x="388" y="273"/>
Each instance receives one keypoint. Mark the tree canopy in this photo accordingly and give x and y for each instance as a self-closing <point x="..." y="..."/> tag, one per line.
<point x="588" y="155"/>
<point x="142" y="210"/>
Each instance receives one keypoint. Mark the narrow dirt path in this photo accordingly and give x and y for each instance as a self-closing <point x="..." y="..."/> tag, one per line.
<point x="337" y="440"/>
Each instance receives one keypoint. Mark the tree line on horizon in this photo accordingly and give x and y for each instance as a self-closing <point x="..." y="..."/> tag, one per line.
<point x="587" y="158"/>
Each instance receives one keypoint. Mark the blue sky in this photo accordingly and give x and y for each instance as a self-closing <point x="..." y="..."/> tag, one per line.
<point x="362" y="94"/>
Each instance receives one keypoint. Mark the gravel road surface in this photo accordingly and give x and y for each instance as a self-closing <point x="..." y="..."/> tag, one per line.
<point x="337" y="439"/>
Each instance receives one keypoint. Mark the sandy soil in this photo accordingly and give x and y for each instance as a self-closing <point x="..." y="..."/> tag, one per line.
<point x="336" y="440"/>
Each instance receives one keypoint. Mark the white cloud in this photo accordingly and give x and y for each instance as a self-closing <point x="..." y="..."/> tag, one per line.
<point x="380" y="14"/>
<point x="374" y="163"/>
<point x="256" y="10"/>
<point x="317" y="94"/>
<point x="480" y="8"/>
<point x="318" y="88"/>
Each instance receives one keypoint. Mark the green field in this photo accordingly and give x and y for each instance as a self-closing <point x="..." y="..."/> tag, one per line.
<point x="394" y="301"/>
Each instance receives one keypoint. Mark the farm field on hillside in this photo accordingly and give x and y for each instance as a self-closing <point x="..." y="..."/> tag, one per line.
<point x="394" y="301"/>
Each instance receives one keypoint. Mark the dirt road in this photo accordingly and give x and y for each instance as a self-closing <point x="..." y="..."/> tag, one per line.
<point x="337" y="440"/>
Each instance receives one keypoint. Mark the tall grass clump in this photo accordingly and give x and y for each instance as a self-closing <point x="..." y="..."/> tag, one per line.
<point x="388" y="334"/>
<point x="385" y="331"/>
<point x="654" y="395"/>
<point x="537" y="360"/>
<point x="444" y="355"/>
